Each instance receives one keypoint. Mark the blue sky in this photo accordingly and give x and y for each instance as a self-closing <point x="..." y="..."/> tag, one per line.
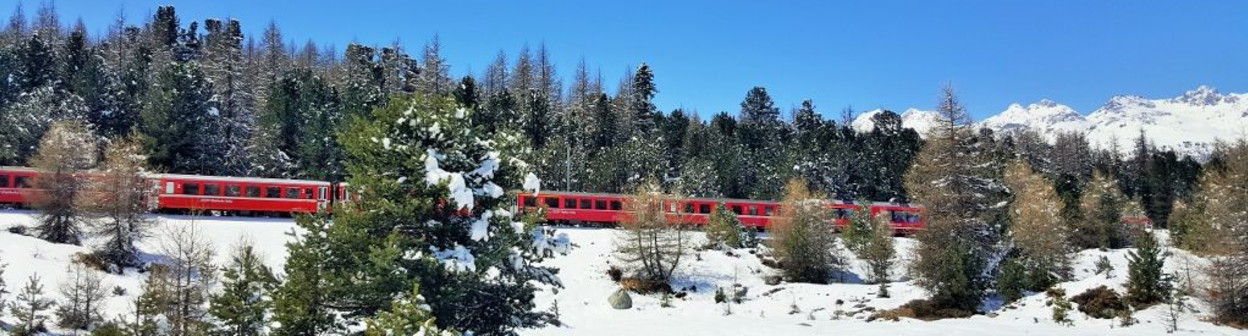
<point x="865" y="54"/>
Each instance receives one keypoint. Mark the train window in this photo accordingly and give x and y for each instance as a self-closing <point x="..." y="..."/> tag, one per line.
<point x="273" y="192"/>
<point x="753" y="210"/>
<point x="616" y="205"/>
<point x="253" y="191"/>
<point x="292" y="193"/>
<point x="322" y="192"/>
<point x="233" y="191"/>
<point x="769" y="211"/>
<point x="569" y="203"/>
<point x="587" y="204"/>
<point x="4" y="181"/>
<point x="736" y="209"/>
<point x="190" y="189"/>
<point x="551" y="202"/>
<point x="309" y="193"/>
<point x="212" y="189"/>
<point x="704" y="208"/>
<point x="688" y="207"/>
<point x="530" y="201"/>
<point x="21" y="181"/>
<point x="600" y="204"/>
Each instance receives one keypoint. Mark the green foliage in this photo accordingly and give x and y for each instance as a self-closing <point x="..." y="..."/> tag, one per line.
<point x="242" y="306"/>
<point x="1061" y="306"/>
<point x="878" y="251"/>
<point x="725" y="230"/>
<point x="176" y="127"/>
<point x="860" y="229"/>
<point x="1146" y="284"/>
<point x="30" y="308"/>
<point x="802" y="238"/>
<point x="109" y="329"/>
<point x="300" y="304"/>
<point x="408" y="315"/>
<point x="1012" y="282"/>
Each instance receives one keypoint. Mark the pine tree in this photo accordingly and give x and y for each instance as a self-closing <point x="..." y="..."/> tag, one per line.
<point x="802" y="237"/>
<point x="24" y="122"/>
<point x="233" y="97"/>
<point x="65" y="151"/>
<point x="242" y="306"/>
<point x="879" y="253"/>
<point x="443" y="226"/>
<point x="177" y="125"/>
<point x="1146" y="284"/>
<point x="84" y="295"/>
<point x="641" y="109"/>
<point x="30" y="307"/>
<point x="301" y="302"/>
<point x="119" y="197"/>
<point x="956" y="178"/>
<point x="724" y="229"/>
<point x="860" y="229"/>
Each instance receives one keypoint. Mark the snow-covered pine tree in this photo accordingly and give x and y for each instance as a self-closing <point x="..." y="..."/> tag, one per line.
<point x="65" y="151"/>
<point x="1037" y="230"/>
<point x="232" y="94"/>
<point x="361" y="86"/>
<point x="24" y="122"/>
<point x="893" y="148"/>
<point x="178" y="123"/>
<point x="118" y="198"/>
<point x="761" y="132"/>
<point x="83" y="292"/>
<point x="242" y="306"/>
<point x="301" y="302"/>
<point x="86" y="76"/>
<point x="432" y="211"/>
<point x="641" y="110"/>
<point x="957" y="180"/>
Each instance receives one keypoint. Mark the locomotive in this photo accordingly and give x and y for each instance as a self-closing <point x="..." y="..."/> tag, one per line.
<point x="180" y="193"/>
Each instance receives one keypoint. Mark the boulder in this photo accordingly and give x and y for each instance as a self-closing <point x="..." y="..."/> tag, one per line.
<point x="771" y="280"/>
<point x="620" y="299"/>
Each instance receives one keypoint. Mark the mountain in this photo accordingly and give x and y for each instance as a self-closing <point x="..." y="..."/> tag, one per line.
<point x="1189" y="123"/>
<point x="921" y="121"/>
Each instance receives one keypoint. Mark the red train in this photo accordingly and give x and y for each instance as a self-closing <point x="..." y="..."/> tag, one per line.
<point x="591" y="208"/>
<point x="246" y="196"/>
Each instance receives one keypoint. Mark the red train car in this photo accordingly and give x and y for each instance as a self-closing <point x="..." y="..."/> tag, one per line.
<point x="15" y="184"/>
<point x="590" y="208"/>
<point x="240" y="194"/>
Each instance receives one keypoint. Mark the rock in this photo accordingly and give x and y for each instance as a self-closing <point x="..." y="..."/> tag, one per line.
<point x="739" y="293"/>
<point x="860" y="305"/>
<point x="992" y="315"/>
<point x="839" y="302"/>
<point x="620" y="300"/>
<point x="771" y="280"/>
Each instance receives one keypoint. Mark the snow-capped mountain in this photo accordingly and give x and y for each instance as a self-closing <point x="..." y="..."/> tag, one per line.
<point x="921" y="121"/>
<point x="1189" y="124"/>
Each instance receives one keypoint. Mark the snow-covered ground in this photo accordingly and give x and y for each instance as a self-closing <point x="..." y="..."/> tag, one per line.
<point x="583" y="306"/>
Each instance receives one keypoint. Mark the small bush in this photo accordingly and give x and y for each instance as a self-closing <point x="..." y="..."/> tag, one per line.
<point x="1104" y="266"/>
<point x="19" y="230"/>
<point x="92" y="261"/>
<point x="928" y="310"/>
<point x="119" y="291"/>
<point x="615" y="273"/>
<point x="108" y="329"/>
<point x="644" y="286"/>
<point x="720" y="297"/>
<point x="1061" y="306"/>
<point x="1100" y="302"/>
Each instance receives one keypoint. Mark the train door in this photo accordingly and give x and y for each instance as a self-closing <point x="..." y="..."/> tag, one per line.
<point x="322" y="201"/>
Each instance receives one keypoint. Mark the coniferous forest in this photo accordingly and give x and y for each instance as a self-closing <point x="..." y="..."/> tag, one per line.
<point x="198" y="96"/>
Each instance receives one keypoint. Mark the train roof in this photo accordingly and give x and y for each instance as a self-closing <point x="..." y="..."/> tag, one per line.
<point x="21" y="169"/>
<point x="719" y="200"/>
<point x="238" y="179"/>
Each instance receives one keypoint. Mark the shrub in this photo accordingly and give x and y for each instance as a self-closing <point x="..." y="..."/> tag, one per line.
<point x="1145" y="283"/>
<point x="1100" y="302"/>
<point x="615" y="273"/>
<point x="1061" y="306"/>
<point x="802" y="237"/>
<point x="92" y="261"/>
<point x="929" y="310"/>
<point x="724" y="230"/>
<point x="108" y="329"/>
<point x="645" y="286"/>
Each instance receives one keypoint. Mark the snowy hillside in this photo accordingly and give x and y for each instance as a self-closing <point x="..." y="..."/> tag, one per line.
<point x="1189" y="123"/>
<point x="785" y="309"/>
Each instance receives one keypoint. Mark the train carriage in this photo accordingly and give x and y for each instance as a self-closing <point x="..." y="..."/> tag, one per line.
<point x="15" y="185"/>
<point x="240" y="194"/>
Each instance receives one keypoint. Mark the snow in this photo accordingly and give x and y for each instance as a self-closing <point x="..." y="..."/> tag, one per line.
<point x="1189" y="124"/>
<point x="582" y="302"/>
<point x="532" y="183"/>
<point x="459" y="191"/>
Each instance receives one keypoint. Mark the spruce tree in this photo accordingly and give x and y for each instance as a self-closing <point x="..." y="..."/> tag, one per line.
<point x="30" y="308"/>
<point x="409" y="315"/>
<point x="1101" y="225"/>
<point x="958" y="182"/>
<point x="1146" y="282"/>
<point x="723" y="229"/>
<point x="301" y="302"/>
<point x="242" y="306"/>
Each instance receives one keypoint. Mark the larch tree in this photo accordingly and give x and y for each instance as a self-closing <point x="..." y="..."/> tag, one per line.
<point x="1037" y="231"/>
<point x="1225" y="191"/>
<point x="1102" y="205"/>
<point x="650" y="242"/>
<point x="83" y="293"/>
<point x="65" y="152"/>
<point x="119" y="198"/>
<point x="956" y="178"/>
